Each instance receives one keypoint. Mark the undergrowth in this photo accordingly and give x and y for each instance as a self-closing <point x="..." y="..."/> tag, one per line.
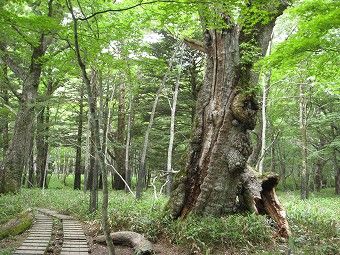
<point x="314" y="223"/>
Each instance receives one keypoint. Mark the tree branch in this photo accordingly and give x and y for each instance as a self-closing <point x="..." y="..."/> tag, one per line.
<point x="8" y="85"/>
<point x="15" y="67"/>
<point x="196" y="45"/>
<point x="141" y="3"/>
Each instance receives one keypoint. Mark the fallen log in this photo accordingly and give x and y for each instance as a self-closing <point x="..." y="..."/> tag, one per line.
<point x="135" y="240"/>
<point x="17" y="225"/>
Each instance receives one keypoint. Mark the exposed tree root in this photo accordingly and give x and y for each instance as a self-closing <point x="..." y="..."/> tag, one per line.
<point x="132" y="239"/>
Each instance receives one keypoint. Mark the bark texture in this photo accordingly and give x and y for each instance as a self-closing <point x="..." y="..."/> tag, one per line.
<point x="226" y="109"/>
<point x="16" y="156"/>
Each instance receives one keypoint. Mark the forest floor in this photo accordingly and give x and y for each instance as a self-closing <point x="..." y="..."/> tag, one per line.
<point x="161" y="247"/>
<point x="314" y="224"/>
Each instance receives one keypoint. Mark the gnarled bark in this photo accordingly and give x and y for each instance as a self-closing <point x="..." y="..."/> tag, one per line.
<point x="226" y="109"/>
<point x="16" y="156"/>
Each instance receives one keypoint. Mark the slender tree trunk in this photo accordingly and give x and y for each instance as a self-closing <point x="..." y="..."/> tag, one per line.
<point x="4" y="127"/>
<point x="265" y="84"/>
<point x="92" y="168"/>
<point x="128" y="172"/>
<point x="94" y="188"/>
<point x="87" y="156"/>
<point x="95" y="120"/>
<point x="42" y="147"/>
<point x="226" y="110"/>
<point x="169" y="172"/>
<point x="94" y="164"/>
<point x="303" y="132"/>
<point x="272" y="156"/>
<point x="282" y="162"/>
<point x="318" y="177"/>
<point x="255" y="154"/>
<point x="336" y="172"/>
<point x="30" y="181"/>
<point x="142" y="171"/>
<point x="118" y="183"/>
<point x="194" y="70"/>
<point x="43" y="123"/>
<point x="77" y="169"/>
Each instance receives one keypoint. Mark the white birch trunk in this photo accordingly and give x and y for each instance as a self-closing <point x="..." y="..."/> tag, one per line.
<point x="172" y="129"/>
<point x="265" y="86"/>
<point x="142" y="172"/>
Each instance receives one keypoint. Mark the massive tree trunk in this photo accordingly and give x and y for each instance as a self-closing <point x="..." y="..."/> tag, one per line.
<point x="226" y="109"/>
<point x="16" y="156"/>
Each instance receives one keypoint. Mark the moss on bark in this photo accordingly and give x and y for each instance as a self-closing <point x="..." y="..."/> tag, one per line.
<point x="17" y="225"/>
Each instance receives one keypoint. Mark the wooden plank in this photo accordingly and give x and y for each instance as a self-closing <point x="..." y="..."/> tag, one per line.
<point x="75" y="242"/>
<point x="39" y="237"/>
<point x="73" y="253"/>
<point x="29" y="253"/>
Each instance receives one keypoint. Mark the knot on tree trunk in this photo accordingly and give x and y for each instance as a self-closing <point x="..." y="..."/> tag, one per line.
<point x="244" y="108"/>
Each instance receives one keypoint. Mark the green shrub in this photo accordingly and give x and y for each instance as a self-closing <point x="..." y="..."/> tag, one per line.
<point x="234" y="231"/>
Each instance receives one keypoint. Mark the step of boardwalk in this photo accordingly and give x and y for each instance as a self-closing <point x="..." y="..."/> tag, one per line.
<point x="75" y="242"/>
<point x="39" y="237"/>
<point x="74" y="239"/>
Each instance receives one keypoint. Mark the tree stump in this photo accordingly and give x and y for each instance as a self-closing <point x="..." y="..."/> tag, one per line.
<point x="135" y="240"/>
<point x="258" y="195"/>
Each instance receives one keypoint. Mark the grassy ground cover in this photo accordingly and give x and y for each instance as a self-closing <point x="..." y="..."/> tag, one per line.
<point x="314" y="223"/>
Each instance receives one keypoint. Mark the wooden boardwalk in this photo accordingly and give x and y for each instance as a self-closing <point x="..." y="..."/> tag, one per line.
<point x="74" y="240"/>
<point x="38" y="238"/>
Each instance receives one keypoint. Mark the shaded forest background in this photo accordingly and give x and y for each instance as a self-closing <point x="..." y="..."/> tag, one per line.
<point x="131" y="61"/>
<point x="119" y="82"/>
